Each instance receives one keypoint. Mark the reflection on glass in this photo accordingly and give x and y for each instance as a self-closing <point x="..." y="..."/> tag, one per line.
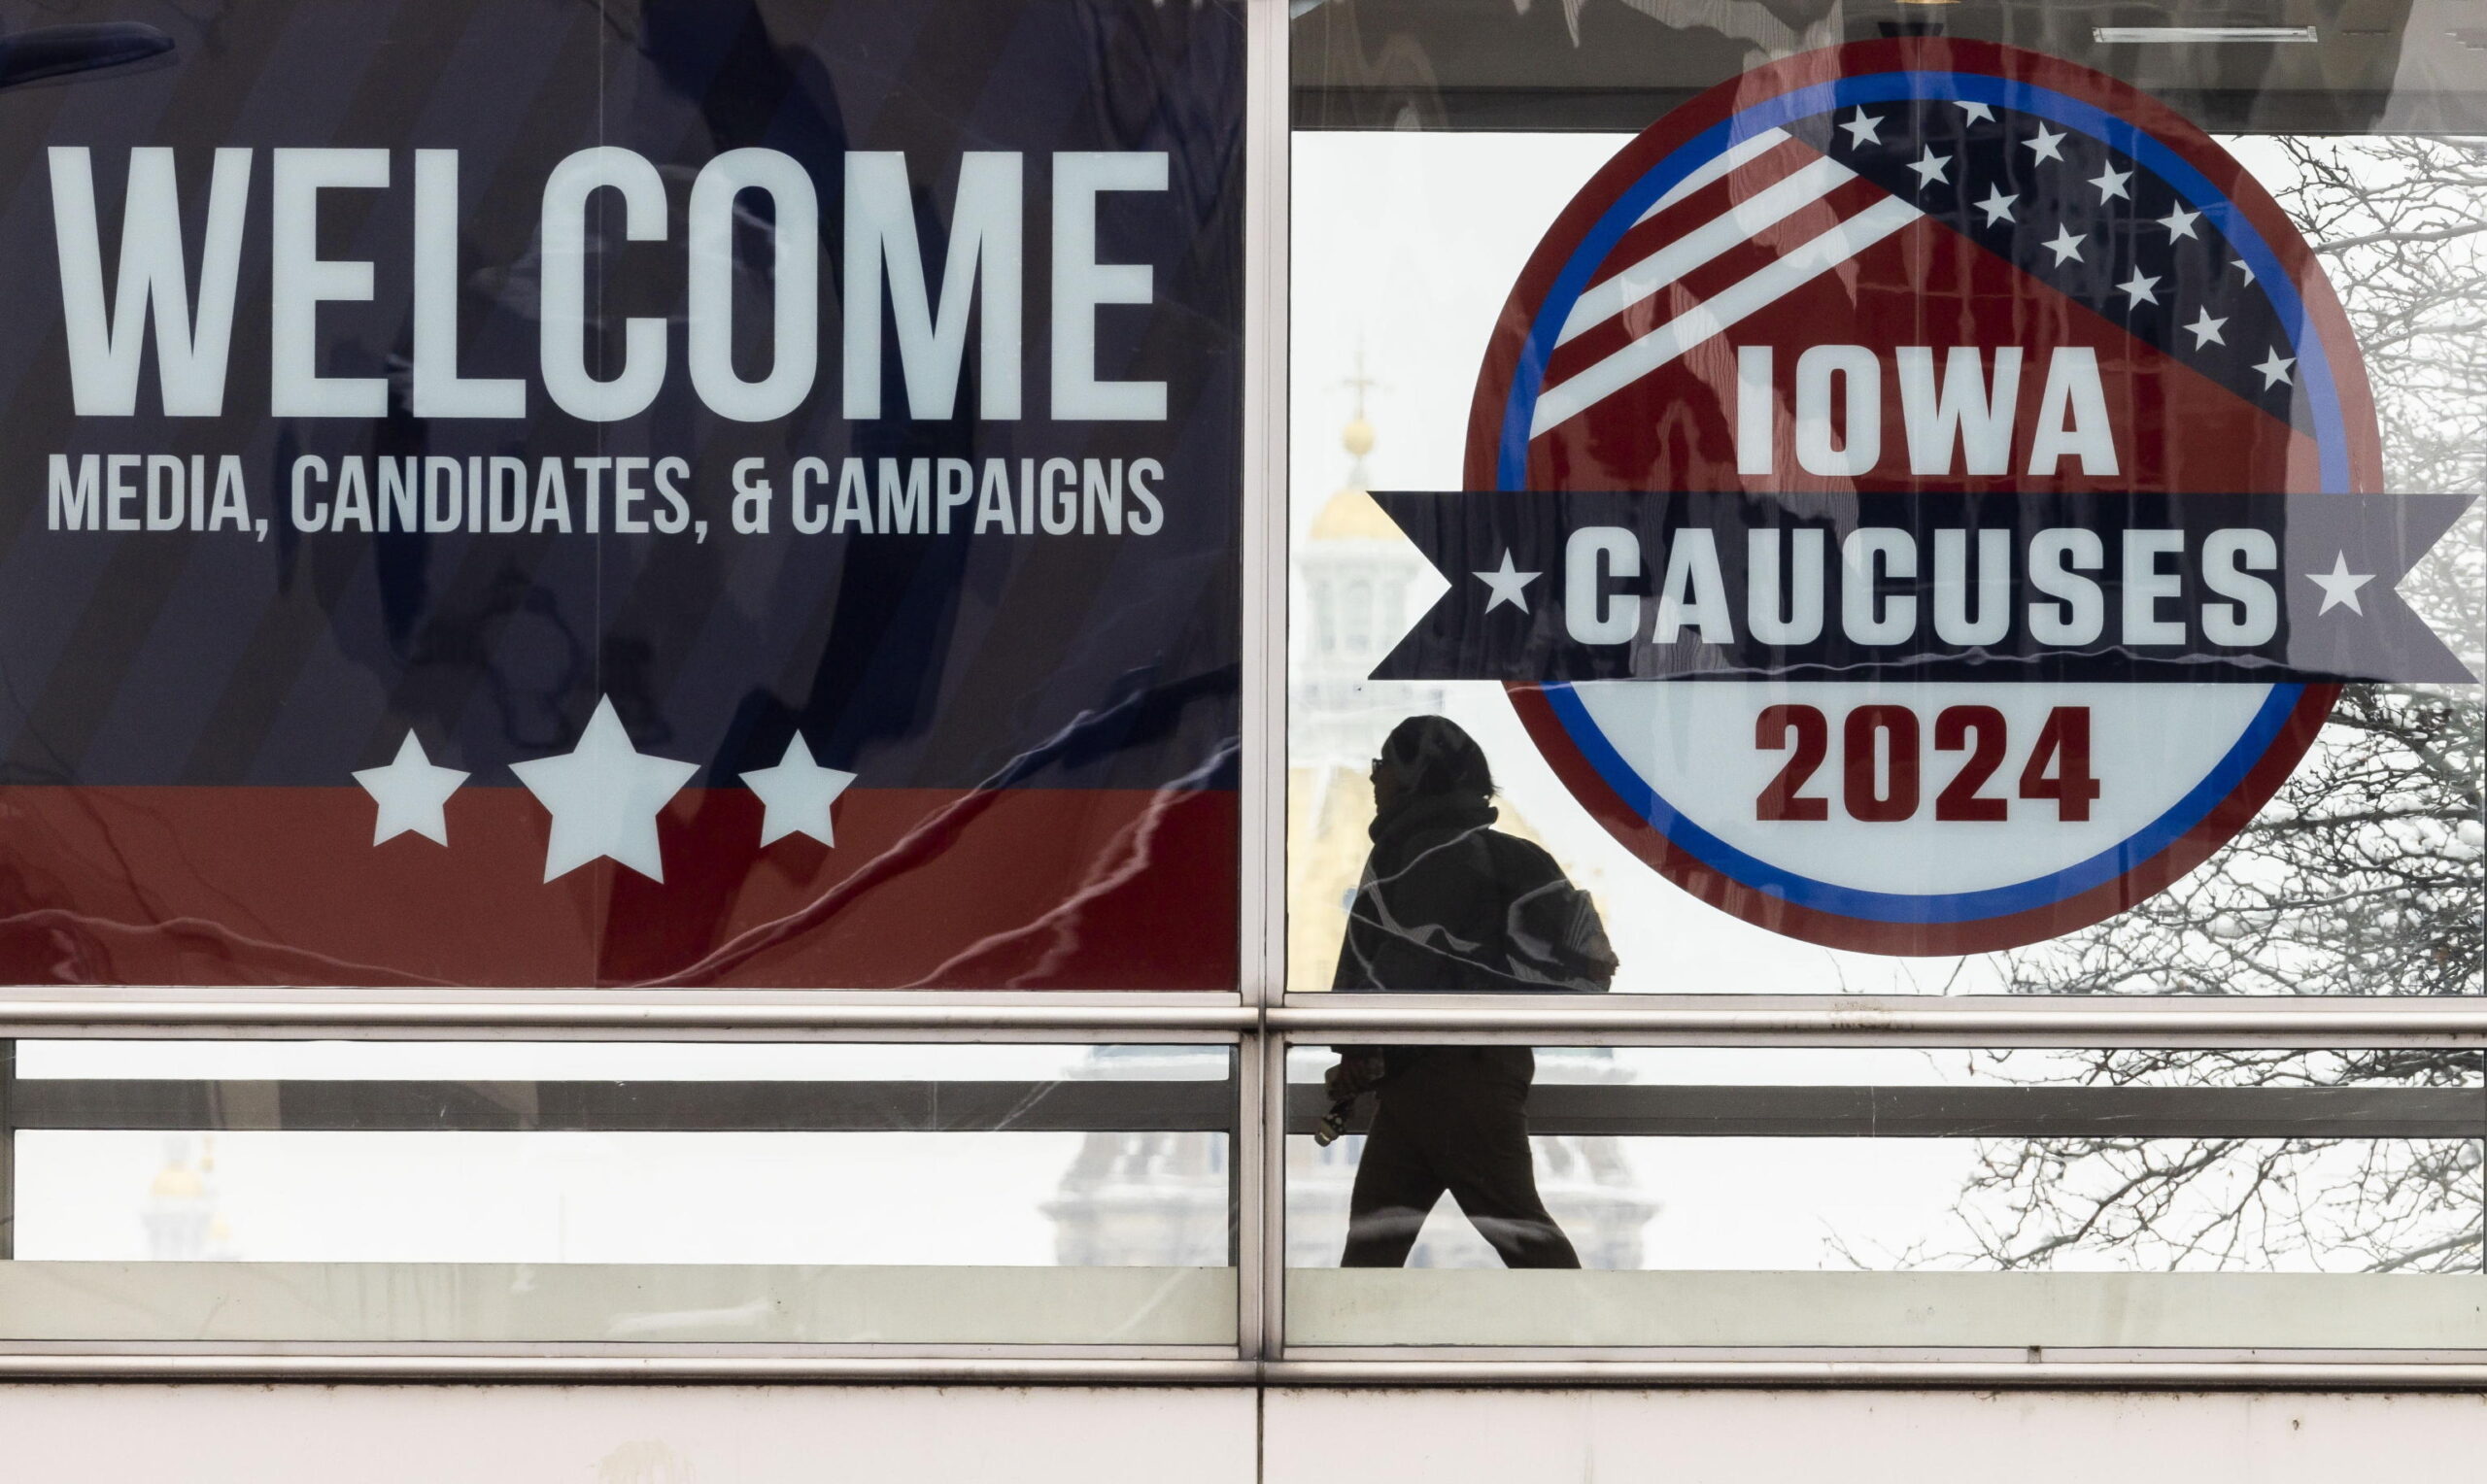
<point x="879" y="733"/>
<point x="516" y="1151"/>
<point x="507" y="1191"/>
<point x="2362" y="876"/>
<point x="2124" y="1160"/>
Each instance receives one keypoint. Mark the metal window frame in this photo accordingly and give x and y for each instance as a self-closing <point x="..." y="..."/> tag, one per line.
<point x="1261" y="1020"/>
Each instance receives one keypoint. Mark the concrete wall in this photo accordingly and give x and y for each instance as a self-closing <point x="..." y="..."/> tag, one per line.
<point x="722" y="1435"/>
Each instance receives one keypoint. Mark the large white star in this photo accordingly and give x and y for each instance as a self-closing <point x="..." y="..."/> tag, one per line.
<point x="2139" y="289"/>
<point x="1997" y="206"/>
<point x="1509" y="584"/>
<point x="2275" y="369"/>
<point x="1975" y="112"/>
<point x="2206" y="331"/>
<point x="2047" y="145"/>
<point x="2339" y="586"/>
<point x="2067" y="245"/>
<point x="798" y="792"/>
<point x="1930" y="169"/>
<point x="2180" y="223"/>
<point x="604" y="795"/>
<point x="410" y="793"/>
<point x="1862" y="129"/>
<point x="2110" y="182"/>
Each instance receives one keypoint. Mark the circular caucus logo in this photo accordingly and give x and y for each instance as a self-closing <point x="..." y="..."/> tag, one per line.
<point x="1923" y="497"/>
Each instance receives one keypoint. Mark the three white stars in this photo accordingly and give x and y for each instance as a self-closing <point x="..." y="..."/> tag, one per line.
<point x="1509" y="584"/>
<point x="604" y="796"/>
<point x="2339" y="586"/>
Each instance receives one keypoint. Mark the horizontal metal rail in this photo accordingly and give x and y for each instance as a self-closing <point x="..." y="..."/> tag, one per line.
<point x="1628" y="1110"/>
<point x="1826" y="1019"/>
<point x="1831" y="1020"/>
<point x="1101" y="1106"/>
<point x="620" y="1014"/>
<point x="1431" y="1370"/>
<point x="330" y="1368"/>
<point x="1107" y="1106"/>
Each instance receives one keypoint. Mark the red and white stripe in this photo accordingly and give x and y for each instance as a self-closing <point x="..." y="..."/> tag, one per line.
<point x="1742" y="233"/>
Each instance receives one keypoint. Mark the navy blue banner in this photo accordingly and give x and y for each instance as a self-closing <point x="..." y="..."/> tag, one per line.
<point x="1930" y="584"/>
<point x="862" y="375"/>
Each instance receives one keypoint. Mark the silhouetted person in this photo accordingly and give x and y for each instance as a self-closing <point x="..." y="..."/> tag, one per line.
<point x="1449" y="904"/>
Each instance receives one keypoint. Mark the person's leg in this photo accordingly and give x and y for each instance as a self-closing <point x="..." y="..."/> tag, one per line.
<point x="1395" y="1189"/>
<point x="1482" y="1147"/>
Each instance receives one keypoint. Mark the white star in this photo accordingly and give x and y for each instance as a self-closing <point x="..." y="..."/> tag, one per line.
<point x="1978" y="113"/>
<point x="1930" y="169"/>
<point x="2110" y="182"/>
<point x="798" y="792"/>
<point x="2048" y="144"/>
<point x="2066" y="247"/>
<point x="1997" y="206"/>
<point x="2277" y="369"/>
<point x="604" y="795"/>
<point x="1509" y="584"/>
<point x="410" y="793"/>
<point x="2180" y="222"/>
<point x="1862" y="130"/>
<point x="2139" y="289"/>
<point x="2238" y="264"/>
<point x="2339" y="586"/>
<point x="2207" y="330"/>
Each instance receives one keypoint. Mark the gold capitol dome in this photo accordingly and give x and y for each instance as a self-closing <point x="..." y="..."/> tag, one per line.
<point x="177" y="1182"/>
<point x="1350" y="513"/>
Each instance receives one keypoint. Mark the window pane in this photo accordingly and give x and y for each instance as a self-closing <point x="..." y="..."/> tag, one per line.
<point x="558" y="569"/>
<point x="1737" y="807"/>
<point x="2097" y="1199"/>
<point x="565" y="1191"/>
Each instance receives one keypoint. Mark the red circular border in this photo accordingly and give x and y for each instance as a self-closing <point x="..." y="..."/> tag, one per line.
<point x="2331" y="326"/>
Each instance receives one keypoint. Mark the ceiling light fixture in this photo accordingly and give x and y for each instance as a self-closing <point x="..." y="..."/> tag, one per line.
<point x="2149" y="36"/>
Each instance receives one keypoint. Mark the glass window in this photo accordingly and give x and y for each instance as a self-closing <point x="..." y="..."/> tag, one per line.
<point x="1798" y="378"/>
<point x="734" y="494"/>
<point x="818" y="1192"/>
<point x="1970" y="508"/>
<point x="2103" y="1200"/>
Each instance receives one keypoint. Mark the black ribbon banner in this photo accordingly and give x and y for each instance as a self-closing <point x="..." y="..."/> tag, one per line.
<point x="1572" y="586"/>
